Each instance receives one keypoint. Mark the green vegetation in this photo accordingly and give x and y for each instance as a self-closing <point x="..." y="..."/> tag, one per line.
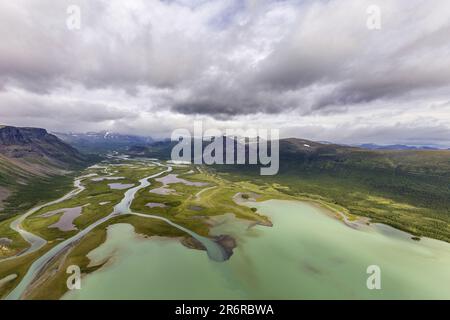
<point x="408" y="190"/>
<point x="97" y="200"/>
<point x="18" y="266"/>
<point x="37" y="191"/>
<point x="35" y="167"/>
<point x="407" y="196"/>
<point x="55" y="286"/>
<point x="17" y="244"/>
<point x="185" y="208"/>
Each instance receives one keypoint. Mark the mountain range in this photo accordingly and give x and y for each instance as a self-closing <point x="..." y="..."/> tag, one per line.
<point x="373" y="146"/>
<point x="103" y="141"/>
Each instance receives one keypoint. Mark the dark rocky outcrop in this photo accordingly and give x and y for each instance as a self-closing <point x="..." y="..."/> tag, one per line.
<point x="38" y="144"/>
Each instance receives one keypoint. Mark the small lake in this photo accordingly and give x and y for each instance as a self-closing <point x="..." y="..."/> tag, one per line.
<point x="120" y="186"/>
<point x="173" y="178"/>
<point x="305" y="255"/>
<point x="65" y="222"/>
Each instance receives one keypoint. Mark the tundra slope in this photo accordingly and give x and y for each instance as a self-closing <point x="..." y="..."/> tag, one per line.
<point x="408" y="190"/>
<point x="34" y="166"/>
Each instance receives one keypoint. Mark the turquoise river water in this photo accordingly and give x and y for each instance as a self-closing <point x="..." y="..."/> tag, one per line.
<point x="305" y="255"/>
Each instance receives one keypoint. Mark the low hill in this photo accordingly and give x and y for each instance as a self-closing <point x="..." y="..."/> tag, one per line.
<point x="159" y="149"/>
<point x="427" y="162"/>
<point x="373" y="146"/>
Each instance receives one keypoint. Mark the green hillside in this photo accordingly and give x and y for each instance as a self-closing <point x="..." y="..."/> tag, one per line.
<point x="35" y="167"/>
<point x="409" y="190"/>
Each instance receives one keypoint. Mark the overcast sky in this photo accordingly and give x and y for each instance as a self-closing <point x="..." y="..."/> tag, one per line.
<point x="313" y="69"/>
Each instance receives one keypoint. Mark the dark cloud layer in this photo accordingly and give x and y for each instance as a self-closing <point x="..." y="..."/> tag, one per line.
<point x="229" y="60"/>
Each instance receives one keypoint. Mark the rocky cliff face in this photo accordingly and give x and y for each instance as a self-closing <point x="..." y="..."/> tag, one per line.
<point x="29" y="143"/>
<point x="20" y="136"/>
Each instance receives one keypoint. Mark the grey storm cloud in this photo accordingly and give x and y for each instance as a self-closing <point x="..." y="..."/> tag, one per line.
<point x="221" y="59"/>
<point x="113" y="48"/>
<point x="24" y="104"/>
